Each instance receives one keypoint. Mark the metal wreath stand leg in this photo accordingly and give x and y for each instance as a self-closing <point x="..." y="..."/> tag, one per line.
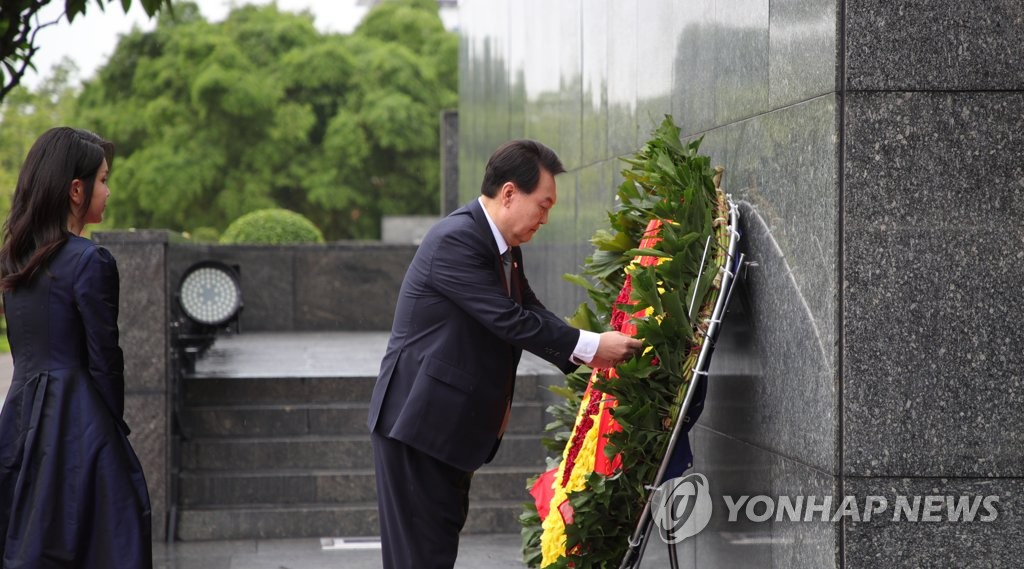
<point x="638" y="541"/>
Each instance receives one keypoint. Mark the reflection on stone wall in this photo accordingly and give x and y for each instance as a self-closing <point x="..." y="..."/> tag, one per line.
<point x="874" y="146"/>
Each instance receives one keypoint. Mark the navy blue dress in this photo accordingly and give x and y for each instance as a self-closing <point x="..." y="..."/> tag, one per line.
<point x="72" y="491"/>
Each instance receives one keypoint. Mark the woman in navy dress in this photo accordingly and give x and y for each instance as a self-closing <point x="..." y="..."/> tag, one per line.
<point x="72" y="491"/>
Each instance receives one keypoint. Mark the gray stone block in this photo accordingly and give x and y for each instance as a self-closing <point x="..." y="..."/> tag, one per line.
<point x="141" y="263"/>
<point x="897" y="45"/>
<point x="935" y="539"/>
<point x="925" y="160"/>
<point x="146" y="415"/>
<point x="268" y="278"/>
<point x="930" y="390"/>
<point x="930" y="287"/>
<point x="349" y="288"/>
<point x="142" y="322"/>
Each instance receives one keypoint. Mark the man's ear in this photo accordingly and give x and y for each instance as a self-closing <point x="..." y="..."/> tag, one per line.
<point x="76" y="193"/>
<point x="508" y="189"/>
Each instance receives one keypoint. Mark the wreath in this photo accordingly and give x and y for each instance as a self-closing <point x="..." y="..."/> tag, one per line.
<point x="656" y="275"/>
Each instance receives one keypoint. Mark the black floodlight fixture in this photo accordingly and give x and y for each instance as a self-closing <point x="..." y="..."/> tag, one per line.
<point x="210" y="298"/>
<point x="210" y="294"/>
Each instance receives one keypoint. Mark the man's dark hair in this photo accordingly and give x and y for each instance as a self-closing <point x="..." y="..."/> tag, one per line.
<point x="519" y="161"/>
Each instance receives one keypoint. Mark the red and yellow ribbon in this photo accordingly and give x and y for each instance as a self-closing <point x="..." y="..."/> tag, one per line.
<point x="584" y="453"/>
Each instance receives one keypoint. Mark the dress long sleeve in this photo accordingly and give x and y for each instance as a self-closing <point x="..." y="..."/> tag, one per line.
<point x="96" y="289"/>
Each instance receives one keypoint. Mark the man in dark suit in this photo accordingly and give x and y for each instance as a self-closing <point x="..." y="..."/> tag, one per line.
<point x="464" y="315"/>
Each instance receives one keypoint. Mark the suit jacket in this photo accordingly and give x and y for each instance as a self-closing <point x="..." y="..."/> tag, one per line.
<point x="448" y="374"/>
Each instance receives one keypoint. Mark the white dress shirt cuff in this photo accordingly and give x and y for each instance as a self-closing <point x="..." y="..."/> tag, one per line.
<point x="586" y="347"/>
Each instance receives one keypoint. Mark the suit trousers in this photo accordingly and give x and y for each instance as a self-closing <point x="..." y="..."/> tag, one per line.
<point x="422" y="506"/>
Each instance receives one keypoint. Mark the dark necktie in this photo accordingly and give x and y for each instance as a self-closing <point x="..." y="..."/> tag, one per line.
<point x="506" y="262"/>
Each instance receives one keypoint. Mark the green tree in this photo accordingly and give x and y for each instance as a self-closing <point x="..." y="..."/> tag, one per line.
<point x="19" y="24"/>
<point x="213" y="120"/>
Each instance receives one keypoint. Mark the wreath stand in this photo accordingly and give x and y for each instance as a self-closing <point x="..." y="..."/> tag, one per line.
<point x="641" y="536"/>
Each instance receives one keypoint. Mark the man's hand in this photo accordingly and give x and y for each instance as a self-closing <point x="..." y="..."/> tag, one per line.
<point x="615" y="348"/>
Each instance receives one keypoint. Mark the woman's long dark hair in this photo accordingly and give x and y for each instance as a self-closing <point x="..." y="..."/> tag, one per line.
<point x="38" y="223"/>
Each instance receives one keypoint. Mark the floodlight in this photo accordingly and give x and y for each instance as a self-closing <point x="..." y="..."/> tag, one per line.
<point x="209" y="293"/>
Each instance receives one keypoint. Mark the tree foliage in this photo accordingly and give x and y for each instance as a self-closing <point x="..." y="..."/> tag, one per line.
<point x="214" y="120"/>
<point x="24" y="115"/>
<point x="18" y="26"/>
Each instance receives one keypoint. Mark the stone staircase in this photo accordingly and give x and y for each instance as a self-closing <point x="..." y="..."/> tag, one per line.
<point x="282" y="457"/>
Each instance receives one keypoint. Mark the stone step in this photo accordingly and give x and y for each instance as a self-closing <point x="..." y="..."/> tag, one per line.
<point x="256" y="391"/>
<point x="315" y="520"/>
<point x="308" y="390"/>
<point x="315" y="419"/>
<point x="327" y="487"/>
<point x="322" y="452"/>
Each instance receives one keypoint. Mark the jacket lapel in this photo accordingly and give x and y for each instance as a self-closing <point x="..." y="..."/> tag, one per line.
<point x="477" y="212"/>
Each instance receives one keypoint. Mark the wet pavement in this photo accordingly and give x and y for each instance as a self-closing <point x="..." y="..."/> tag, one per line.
<point x="475" y="552"/>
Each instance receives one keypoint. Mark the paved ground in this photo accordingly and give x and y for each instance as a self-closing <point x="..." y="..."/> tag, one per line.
<point x="475" y="552"/>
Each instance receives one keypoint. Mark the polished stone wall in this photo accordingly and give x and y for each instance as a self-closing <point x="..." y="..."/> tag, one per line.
<point x="874" y="148"/>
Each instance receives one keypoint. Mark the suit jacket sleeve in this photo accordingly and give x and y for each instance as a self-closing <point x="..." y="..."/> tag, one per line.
<point x="97" y="286"/>
<point x="463" y="269"/>
<point x="531" y="302"/>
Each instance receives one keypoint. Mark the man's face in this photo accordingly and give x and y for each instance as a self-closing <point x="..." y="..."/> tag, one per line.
<point x="527" y="212"/>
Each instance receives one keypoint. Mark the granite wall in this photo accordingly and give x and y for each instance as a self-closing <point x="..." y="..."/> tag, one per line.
<point x="874" y="149"/>
<point x="932" y="235"/>
<point x="308" y="287"/>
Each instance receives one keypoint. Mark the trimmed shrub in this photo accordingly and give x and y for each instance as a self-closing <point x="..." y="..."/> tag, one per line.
<point x="271" y="227"/>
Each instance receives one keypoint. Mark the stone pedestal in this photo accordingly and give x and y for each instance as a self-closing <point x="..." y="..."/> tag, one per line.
<point x="142" y="263"/>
